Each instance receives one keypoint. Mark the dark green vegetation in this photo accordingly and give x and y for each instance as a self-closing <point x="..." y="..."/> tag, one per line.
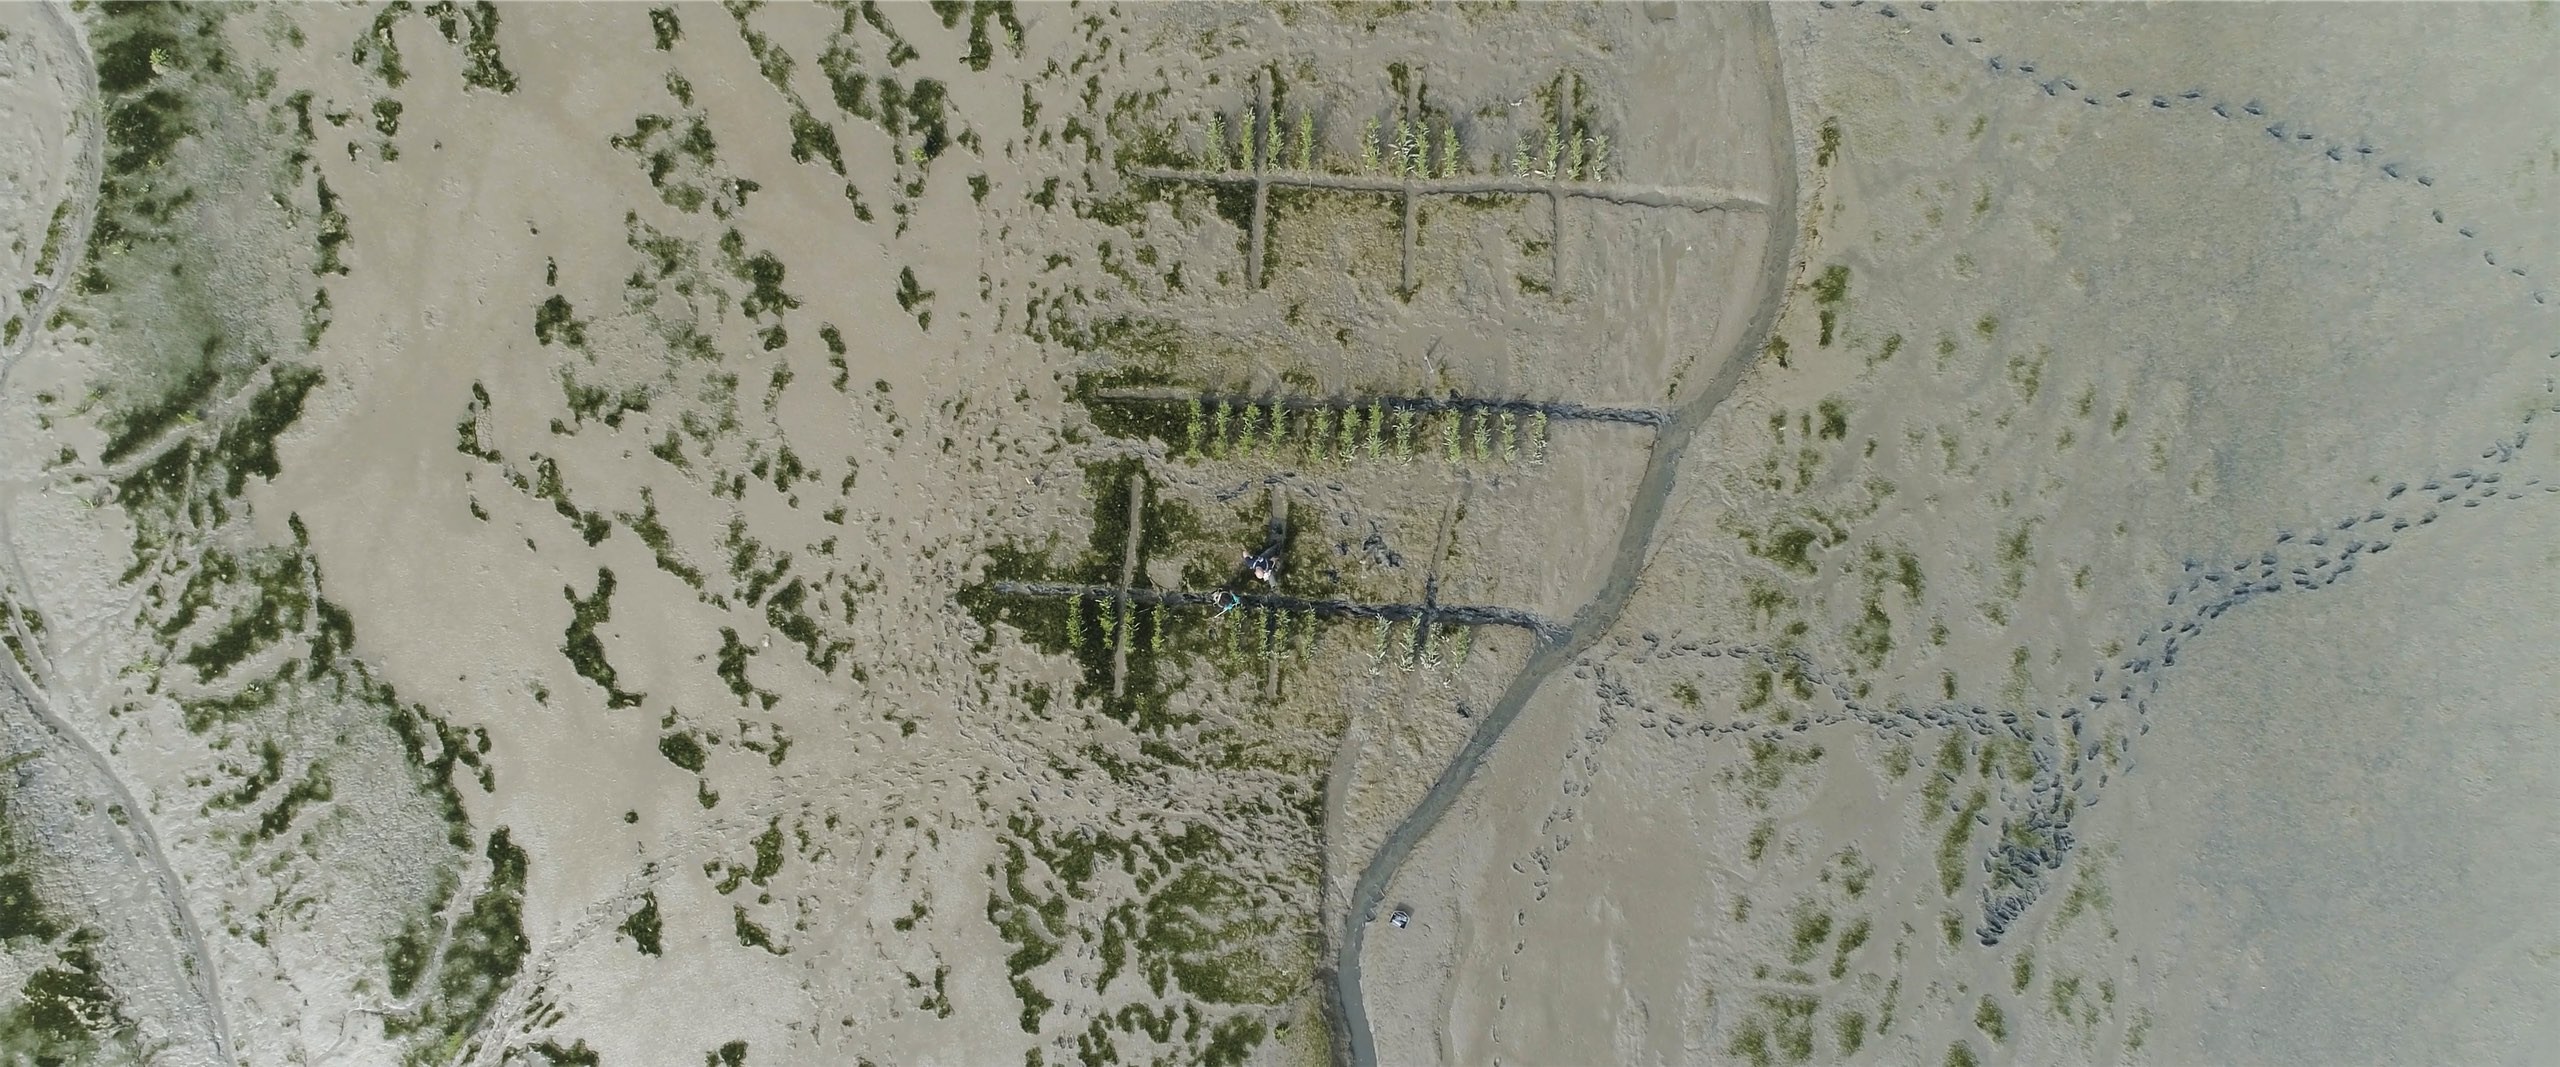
<point x="1871" y="636"/>
<point x="483" y="68"/>
<point x="171" y="93"/>
<point x="1835" y="420"/>
<point x="64" y="1012"/>
<point x="733" y="671"/>
<point x="1219" y="931"/>
<point x="642" y="926"/>
<point x="1085" y="628"/>
<point x="486" y="949"/>
<point x="917" y="116"/>
<point x="653" y="533"/>
<point x="551" y="1054"/>
<point x="683" y="750"/>
<point x="1199" y="924"/>
<point x="555" y="320"/>
<point x="585" y="650"/>
<point x="753" y="934"/>
<point x="1851" y="939"/>
<point x="690" y="408"/>
<point x="1829" y="292"/>
<point x="1771" y="763"/>
<point x="1988" y="1018"/>
<point x="1809" y="928"/>
<point x="474" y="29"/>
<point x="268" y="597"/>
<point x="813" y="139"/>
<point x="912" y="298"/>
<point x="981" y="47"/>
<point x="595" y="403"/>
<point x="1779" y="1029"/>
<point x="769" y="855"/>
<point x="1851" y="1028"/>
<point x="1951" y="846"/>
<point x="664" y="26"/>
<point x="683" y="162"/>
<point x="211" y="217"/>
<point x="380" y="46"/>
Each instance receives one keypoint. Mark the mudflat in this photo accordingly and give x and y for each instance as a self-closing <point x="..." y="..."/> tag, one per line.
<point x="602" y="534"/>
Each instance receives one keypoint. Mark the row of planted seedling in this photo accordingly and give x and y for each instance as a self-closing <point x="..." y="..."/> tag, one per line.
<point x="1411" y="644"/>
<point x="1223" y="428"/>
<point x="1260" y="632"/>
<point x="1408" y="149"/>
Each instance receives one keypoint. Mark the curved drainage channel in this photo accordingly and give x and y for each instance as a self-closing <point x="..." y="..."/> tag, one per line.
<point x="1351" y="1016"/>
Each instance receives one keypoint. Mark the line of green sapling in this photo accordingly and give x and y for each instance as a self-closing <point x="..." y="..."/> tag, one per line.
<point x="1283" y="141"/>
<point x="1154" y="620"/>
<point x="1408" y="148"/>
<point x="1419" y="646"/>
<point x="1582" y="157"/>
<point x="1282" y="633"/>
<point x="1217" y="429"/>
<point x="1411" y="149"/>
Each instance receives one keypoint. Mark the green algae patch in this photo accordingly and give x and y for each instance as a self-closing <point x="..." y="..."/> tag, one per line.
<point x="642" y="926"/>
<point x="585" y="650"/>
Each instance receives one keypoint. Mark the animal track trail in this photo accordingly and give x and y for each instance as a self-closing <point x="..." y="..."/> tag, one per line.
<point x="2035" y="838"/>
<point x="2280" y="132"/>
<point x="2074" y="762"/>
